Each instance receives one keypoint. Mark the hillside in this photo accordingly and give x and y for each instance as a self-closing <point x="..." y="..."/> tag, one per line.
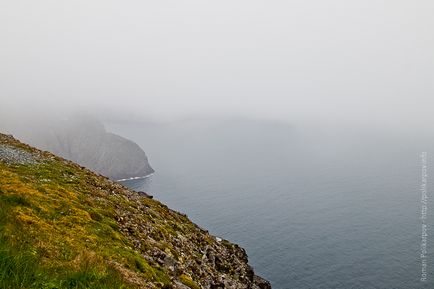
<point x="63" y="226"/>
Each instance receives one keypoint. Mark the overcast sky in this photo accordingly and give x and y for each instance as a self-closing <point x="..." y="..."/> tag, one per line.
<point x="368" y="61"/>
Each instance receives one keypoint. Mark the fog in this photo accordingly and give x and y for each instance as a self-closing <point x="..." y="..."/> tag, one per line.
<point x="367" y="62"/>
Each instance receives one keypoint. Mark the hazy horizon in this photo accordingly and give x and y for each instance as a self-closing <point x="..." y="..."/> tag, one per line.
<point x="300" y="130"/>
<point x="367" y="62"/>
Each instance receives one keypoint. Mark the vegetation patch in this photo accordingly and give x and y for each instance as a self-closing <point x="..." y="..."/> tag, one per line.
<point x="187" y="281"/>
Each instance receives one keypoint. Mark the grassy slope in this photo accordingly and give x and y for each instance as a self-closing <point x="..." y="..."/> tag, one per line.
<point x="58" y="229"/>
<point x="62" y="226"/>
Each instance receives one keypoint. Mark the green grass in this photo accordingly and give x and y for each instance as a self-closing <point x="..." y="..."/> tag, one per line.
<point x="16" y="200"/>
<point x="18" y="269"/>
<point x="21" y="264"/>
<point x="90" y="279"/>
<point x="47" y="224"/>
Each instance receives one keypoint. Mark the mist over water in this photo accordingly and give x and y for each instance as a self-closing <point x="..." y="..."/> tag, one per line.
<point x="315" y="207"/>
<point x="323" y="191"/>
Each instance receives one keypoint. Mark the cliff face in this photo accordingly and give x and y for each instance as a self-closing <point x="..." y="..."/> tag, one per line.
<point x="62" y="226"/>
<point x="86" y="142"/>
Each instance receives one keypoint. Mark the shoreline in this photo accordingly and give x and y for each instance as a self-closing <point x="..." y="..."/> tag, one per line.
<point x="135" y="178"/>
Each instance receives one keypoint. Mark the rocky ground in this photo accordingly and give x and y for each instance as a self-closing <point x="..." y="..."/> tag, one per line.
<point x="12" y="155"/>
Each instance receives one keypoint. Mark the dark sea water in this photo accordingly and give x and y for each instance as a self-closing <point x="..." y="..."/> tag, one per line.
<point x="314" y="207"/>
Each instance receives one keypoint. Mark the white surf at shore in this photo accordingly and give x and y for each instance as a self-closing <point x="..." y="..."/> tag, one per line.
<point x="135" y="178"/>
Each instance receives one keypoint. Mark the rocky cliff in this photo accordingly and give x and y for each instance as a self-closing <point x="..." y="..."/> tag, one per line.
<point x="62" y="226"/>
<point x="85" y="141"/>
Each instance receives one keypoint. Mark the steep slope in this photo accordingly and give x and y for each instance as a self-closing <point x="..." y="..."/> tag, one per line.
<point x="62" y="226"/>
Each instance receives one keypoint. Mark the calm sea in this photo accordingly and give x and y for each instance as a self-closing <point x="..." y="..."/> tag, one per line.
<point x="315" y="207"/>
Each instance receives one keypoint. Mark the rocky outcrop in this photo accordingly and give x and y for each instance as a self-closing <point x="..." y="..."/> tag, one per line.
<point x="85" y="141"/>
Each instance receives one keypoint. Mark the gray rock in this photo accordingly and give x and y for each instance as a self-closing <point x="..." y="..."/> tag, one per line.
<point x="85" y="141"/>
<point x="145" y="194"/>
<point x="261" y="283"/>
<point x="12" y="155"/>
